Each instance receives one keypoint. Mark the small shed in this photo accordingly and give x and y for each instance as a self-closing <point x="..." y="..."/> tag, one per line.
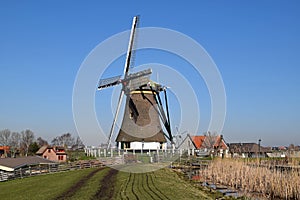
<point x="24" y="166"/>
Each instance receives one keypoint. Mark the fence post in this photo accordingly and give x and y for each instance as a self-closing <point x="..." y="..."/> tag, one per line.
<point x="21" y="173"/>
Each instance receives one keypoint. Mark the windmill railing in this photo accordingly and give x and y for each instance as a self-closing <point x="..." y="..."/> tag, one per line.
<point x="123" y="156"/>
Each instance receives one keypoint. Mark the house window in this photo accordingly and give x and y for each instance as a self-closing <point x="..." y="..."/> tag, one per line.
<point x="49" y="150"/>
<point x="60" y="157"/>
<point x="45" y="157"/>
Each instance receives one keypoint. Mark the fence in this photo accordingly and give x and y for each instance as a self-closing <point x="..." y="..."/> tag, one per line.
<point x="121" y="156"/>
<point x="34" y="170"/>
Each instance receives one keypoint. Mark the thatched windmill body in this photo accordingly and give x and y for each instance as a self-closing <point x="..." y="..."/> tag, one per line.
<point x="141" y="125"/>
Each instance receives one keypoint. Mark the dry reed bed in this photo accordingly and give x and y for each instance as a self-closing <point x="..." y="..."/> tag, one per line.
<point x="253" y="179"/>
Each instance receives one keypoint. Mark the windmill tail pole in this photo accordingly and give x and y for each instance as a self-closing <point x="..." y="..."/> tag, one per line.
<point x="168" y="116"/>
<point x="115" y="119"/>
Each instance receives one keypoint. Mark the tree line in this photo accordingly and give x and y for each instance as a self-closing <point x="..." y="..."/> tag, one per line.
<point x="25" y="143"/>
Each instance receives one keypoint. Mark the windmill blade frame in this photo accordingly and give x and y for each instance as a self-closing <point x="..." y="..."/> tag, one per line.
<point x="130" y="46"/>
<point x="126" y="70"/>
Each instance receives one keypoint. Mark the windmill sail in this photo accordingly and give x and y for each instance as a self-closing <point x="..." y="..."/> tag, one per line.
<point x="108" y="82"/>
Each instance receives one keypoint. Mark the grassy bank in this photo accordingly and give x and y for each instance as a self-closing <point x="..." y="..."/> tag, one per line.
<point x="88" y="183"/>
<point x="41" y="187"/>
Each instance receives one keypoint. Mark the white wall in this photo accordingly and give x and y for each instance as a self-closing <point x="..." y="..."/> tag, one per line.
<point x="147" y="145"/>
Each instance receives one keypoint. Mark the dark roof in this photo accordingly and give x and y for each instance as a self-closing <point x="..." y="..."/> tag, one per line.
<point x="15" y="163"/>
<point x="141" y="119"/>
<point x="247" y="148"/>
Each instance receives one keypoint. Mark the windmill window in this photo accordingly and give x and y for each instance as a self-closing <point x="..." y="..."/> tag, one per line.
<point x="131" y="115"/>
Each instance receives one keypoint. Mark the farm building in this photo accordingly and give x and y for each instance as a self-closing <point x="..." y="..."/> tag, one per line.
<point x="248" y="150"/>
<point x="188" y="145"/>
<point x="57" y="154"/>
<point x="22" y="166"/>
<point x="205" y="145"/>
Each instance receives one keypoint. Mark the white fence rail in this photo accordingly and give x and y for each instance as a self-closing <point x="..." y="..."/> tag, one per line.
<point x="46" y="168"/>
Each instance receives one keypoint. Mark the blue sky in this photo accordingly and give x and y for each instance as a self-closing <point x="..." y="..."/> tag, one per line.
<point x="255" y="45"/>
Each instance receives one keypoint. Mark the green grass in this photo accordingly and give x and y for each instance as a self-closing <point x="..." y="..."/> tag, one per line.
<point x="161" y="184"/>
<point x="41" y="187"/>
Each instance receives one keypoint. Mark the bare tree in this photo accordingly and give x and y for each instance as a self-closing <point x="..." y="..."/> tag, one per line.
<point x="55" y="141"/>
<point x="78" y="144"/>
<point x="210" y="140"/>
<point x="27" y="138"/>
<point x="41" y="142"/>
<point x="5" y="137"/>
<point x="15" y="142"/>
<point x="65" y="140"/>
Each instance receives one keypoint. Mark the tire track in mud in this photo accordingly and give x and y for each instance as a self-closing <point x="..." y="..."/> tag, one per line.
<point x="132" y="185"/>
<point x="107" y="185"/>
<point x="146" y="187"/>
<point x="124" y="187"/>
<point x="153" y="191"/>
<point x="73" y="189"/>
<point x="156" y="188"/>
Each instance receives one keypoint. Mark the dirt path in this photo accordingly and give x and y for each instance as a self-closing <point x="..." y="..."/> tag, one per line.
<point x="72" y="190"/>
<point x="107" y="186"/>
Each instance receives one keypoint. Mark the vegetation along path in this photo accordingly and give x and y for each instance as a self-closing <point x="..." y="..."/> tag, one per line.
<point x="107" y="184"/>
<point x="73" y="189"/>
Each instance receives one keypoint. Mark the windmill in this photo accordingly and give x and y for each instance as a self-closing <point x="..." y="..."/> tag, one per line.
<point x="141" y="127"/>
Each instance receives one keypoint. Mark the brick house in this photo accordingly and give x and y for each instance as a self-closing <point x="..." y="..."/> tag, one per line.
<point x="204" y="145"/>
<point x="4" y="151"/>
<point x="55" y="153"/>
<point x="213" y="144"/>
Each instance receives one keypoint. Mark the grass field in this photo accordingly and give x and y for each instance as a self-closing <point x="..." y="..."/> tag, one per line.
<point x="104" y="183"/>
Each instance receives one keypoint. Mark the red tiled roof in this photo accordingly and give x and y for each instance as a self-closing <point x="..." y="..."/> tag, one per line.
<point x="6" y="148"/>
<point x="198" y="140"/>
<point x="220" y="143"/>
